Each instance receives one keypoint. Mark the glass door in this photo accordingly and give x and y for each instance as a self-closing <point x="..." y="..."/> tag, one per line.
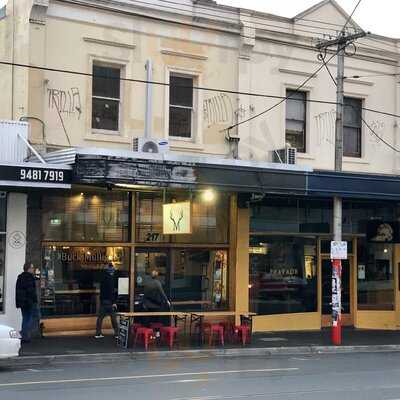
<point x="326" y="274"/>
<point x="147" y="260"/>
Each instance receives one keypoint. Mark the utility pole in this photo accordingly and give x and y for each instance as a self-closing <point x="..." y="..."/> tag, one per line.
<point x="338" y="248"/>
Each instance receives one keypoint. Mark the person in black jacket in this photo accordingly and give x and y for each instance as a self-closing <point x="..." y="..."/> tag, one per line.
<point x="107" y="301"/>
<point x="155" y="298"/>
<point x="26" y="299"/>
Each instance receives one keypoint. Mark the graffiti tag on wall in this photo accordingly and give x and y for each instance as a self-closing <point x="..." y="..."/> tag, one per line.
<point x="326" y="126"/>
<point x="67" y="102"/>
<point x="219" y="109"/>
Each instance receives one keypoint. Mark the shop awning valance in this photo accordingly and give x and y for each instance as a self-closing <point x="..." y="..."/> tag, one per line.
<point x="113" y="167"/>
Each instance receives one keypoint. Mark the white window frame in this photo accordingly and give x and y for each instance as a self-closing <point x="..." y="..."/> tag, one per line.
<point x="196" y="127"/>
<point x="309" y="145"/>
<point x="102" y="62"/>
<point x="305" y="133"/>
<point x="362" y="138"/>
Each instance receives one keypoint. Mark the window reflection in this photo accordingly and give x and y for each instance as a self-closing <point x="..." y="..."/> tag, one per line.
<point x="193" y="279"/>
<point x="210" y="219"/>
<point x="375" y="276"/>
<point x="86" y="217"/>
<point x="71" y="276"/>
<point x="283" y="275"/>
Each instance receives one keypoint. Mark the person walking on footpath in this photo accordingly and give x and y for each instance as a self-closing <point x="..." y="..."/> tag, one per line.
<point x="26" y="299"/>
<point x="107" y="301"/>
<point x="155" y="298"/>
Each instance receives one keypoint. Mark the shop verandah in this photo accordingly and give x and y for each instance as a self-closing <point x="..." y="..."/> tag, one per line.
<point x="282" y="269"/>
<point x="264" y="254"/>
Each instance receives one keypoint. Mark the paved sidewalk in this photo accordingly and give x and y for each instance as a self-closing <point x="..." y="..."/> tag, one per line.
<point x="262" y="343"/>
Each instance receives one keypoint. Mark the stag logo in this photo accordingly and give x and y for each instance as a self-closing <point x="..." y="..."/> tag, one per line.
<point x="176" y="219"/>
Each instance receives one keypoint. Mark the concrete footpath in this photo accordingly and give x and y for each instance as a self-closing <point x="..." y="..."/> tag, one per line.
<point x="81" y="348"/>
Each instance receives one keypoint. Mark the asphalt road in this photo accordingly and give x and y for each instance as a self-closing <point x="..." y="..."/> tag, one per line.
<point x="345" y="376"/>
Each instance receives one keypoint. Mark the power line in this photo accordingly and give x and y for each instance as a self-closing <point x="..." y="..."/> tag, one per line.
<point x="361" y="117"/>
<point x="235" y="20"/>
<point x="256" y="23"/>
<point x="144" y="81"/>
<point x="324" y="22"/>
<point x="351" y="15"/>
<point x="204" y="88"/>
<point x="175" y="22"/>
<point x="282" y="100"/>
<point x="293" y="20"/>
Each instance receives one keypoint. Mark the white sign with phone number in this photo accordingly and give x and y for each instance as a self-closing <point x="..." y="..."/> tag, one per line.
<point x="30" y="174"/>
<point x="338" y="250"/>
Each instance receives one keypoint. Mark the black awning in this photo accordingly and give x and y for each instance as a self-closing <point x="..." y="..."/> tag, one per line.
<point x="354" y="185"/>
<point x="105" y="170"/>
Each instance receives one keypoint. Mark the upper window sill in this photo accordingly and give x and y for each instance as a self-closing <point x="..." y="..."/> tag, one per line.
<point x="305" y="156"/>
<point x="184" y="144"/>
<point x="355" y="160"/>
<point x="110" y="137"/>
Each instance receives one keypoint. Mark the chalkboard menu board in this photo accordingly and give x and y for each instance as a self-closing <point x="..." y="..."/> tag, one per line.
<point x="123" y="333"/>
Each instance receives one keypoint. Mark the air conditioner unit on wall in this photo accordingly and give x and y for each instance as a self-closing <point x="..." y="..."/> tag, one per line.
<point x="287" y="155"/>
<point x="149" y="145"/>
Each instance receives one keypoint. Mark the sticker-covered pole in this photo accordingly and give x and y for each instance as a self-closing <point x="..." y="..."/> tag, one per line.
<point x="336" y="256"/>
<point x="336" y="302"/>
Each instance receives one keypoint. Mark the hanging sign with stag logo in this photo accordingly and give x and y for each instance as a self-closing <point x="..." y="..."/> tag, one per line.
<point x="177" y="218"/>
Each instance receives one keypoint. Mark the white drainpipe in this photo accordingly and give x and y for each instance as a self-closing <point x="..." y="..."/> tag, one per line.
<point x="149" y="100"/>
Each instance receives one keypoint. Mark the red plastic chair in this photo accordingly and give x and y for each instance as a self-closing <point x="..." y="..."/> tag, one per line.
<point x="134" y="328"/>
<point x="156" y="325"/>
<point x="228" y="330"/>
<point x="216" y="330"/>
<point x="202" y="328"/>
<point x="146" y="334"/>
<point x="243" y="333"/>
<point x="169" y="334"/>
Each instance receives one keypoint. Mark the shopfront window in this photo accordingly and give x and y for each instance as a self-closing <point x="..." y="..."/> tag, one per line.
<point x="210" y="219"/>
<point x="291" y="215"/>
<point x="193" y="279"/>
<point x="102" y="217"/>
<point x="283" y="275"/>
<point x="375" y="276"/>
<point x="70" y="279"/>
<point x="357" y="215"/>
<point x="3" y="213"/>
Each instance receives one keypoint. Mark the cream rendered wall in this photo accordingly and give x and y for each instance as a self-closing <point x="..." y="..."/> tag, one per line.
<point x="276" y="66"/>
<point x="15" y="256"/>
<point x="254" y="59"/>
<point x="75" y="37"/>
<point x="14" y="81"/>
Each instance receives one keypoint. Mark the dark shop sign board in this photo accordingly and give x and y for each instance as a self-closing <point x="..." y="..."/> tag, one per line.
<point x="34" y="175"/>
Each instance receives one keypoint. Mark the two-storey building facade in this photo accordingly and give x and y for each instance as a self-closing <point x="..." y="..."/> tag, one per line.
<point x="223" y="96"/>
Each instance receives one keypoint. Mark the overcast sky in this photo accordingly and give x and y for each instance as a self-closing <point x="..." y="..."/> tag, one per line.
<point x="378" y="16"/>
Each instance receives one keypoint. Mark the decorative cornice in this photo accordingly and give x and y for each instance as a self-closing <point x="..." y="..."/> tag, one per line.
<point x="293" y="72"/>
<point x="358" y="82"/>
<point x="175" y="53"/>
<point x="39" y="12"/>
<point x="109" y="43"/>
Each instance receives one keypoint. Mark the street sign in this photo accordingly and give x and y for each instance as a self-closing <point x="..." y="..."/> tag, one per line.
<point x="338" y="250"/>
